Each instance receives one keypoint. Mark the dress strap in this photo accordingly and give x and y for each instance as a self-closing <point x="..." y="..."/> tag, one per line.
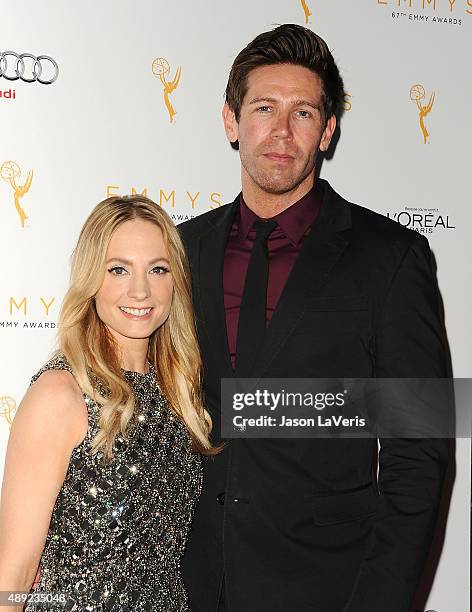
<point x="58" y="362"/>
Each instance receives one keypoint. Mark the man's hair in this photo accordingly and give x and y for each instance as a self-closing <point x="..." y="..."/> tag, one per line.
<point x="287" y="44"/>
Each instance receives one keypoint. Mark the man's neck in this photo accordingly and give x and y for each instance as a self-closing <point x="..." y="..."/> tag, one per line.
<point x="267" y="205"/>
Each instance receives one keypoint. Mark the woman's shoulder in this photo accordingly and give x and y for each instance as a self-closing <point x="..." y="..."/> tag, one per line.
<point x="57" y="363"/>
<point x="55" y="382"/>
<point x="55" y="398"/>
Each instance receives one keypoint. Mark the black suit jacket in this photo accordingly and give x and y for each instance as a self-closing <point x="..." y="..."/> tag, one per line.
<point x="304" y="525"/>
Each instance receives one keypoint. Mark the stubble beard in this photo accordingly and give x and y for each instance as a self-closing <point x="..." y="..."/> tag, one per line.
<point x="276" y="183"/>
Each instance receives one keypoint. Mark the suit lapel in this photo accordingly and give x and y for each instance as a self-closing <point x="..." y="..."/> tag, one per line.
<point x="212" y="245"/>
<point x="321" y="250"/>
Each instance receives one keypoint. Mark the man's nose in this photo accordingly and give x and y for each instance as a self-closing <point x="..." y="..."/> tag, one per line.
<point x="282" y="127"/>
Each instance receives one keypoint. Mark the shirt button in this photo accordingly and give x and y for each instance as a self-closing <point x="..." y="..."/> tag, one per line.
<point x="220" y="498"/>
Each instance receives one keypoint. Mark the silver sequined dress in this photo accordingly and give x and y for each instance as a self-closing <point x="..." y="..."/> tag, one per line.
<point x="118" y="530"/>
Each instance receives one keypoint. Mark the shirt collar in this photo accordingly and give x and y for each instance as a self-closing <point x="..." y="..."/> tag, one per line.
<point x="294" y="221"/>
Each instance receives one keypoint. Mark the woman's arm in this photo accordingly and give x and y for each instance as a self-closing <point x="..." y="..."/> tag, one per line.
<point x="51" y="420"/>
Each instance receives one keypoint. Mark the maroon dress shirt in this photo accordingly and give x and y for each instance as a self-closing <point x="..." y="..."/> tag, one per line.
<point x="284" y="245"/>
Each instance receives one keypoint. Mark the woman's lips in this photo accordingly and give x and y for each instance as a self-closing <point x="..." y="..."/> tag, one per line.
<point x="139" y="314"/>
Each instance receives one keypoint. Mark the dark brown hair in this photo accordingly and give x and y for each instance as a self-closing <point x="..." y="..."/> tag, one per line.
<point x="287" y="44"/>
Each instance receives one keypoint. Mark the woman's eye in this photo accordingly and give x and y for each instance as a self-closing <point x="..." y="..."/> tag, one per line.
<point x="117" y="270"/>
<point x="160" y="270"/>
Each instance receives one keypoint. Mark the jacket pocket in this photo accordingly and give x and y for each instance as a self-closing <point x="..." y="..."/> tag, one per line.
<point x="345" y="507"/>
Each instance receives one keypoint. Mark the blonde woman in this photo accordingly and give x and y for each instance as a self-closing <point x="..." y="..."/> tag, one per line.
<point x="103" y="466"/>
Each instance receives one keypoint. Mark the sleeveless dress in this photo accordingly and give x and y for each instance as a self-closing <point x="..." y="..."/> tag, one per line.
<point x="118" y="530"/>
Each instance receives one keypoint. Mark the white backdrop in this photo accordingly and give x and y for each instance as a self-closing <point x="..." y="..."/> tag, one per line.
<point x="103" y="127"/>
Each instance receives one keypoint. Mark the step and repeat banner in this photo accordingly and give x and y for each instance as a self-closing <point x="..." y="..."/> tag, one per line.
<point x="101" y="98"/>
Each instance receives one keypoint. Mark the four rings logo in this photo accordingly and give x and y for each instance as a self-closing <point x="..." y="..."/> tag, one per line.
<point x="28" y="67"/>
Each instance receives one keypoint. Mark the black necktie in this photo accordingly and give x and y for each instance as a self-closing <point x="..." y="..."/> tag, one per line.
<point x="252" y="314"/>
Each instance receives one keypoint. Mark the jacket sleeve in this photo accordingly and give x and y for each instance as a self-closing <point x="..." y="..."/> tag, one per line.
<point x="410" y="343"/>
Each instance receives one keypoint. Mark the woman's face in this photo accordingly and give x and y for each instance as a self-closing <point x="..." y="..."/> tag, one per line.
<point x="136" y="293"/>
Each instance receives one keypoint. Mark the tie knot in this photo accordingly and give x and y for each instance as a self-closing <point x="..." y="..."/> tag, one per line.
<point x="264" y="228"/>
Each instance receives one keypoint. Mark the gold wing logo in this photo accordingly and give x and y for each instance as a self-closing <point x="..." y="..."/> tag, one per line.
<point x="417" y="95"/>
<point x="7" y="409"/>
<point x="160" y="69"/>
<point x="10" y="172"/>
<point x="306" y="10"/>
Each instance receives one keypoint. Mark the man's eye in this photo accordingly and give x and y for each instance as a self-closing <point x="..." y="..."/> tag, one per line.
<point x="160" y="270"/>
<point x="117" y="270"/>
<point x="264" y="109"/>
<point x="304" y="114"/>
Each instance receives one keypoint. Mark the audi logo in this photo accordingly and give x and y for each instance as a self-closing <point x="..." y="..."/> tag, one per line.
<point x="28" y="67"/>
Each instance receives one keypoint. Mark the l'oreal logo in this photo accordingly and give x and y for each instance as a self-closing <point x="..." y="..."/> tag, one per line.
<point x="424" y="222"/>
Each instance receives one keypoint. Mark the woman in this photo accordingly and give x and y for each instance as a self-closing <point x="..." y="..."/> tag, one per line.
<point x="103" y="466"/>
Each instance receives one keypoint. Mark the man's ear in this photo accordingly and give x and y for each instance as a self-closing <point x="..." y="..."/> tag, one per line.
<point x="328" y="133"/>
<point x="230" y="123"/>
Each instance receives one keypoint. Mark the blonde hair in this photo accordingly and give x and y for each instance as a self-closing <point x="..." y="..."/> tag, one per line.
<point x="91" y="351"/>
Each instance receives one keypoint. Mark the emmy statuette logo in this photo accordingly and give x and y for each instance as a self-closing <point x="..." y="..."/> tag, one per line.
<point x="7" y="409"/>
<point x="10" y="172"/>
<point x="306" y="10"/>
<point x="417" y="95"/>
<point x="160" y="69"/>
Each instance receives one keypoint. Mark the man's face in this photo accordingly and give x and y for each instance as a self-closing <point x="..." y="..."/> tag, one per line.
<point x="281" y="127"/>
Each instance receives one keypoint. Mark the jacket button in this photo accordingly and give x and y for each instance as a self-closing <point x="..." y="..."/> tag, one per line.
<point x="220" y="498"/>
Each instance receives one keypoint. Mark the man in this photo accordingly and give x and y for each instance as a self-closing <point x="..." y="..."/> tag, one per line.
<point x="306" y="525"/>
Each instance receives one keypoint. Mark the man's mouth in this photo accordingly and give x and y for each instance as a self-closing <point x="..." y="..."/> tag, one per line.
<point x="279" y="157"/>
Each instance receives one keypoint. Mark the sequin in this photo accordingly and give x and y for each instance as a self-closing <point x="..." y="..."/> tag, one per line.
<point x="118" y="530"/>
